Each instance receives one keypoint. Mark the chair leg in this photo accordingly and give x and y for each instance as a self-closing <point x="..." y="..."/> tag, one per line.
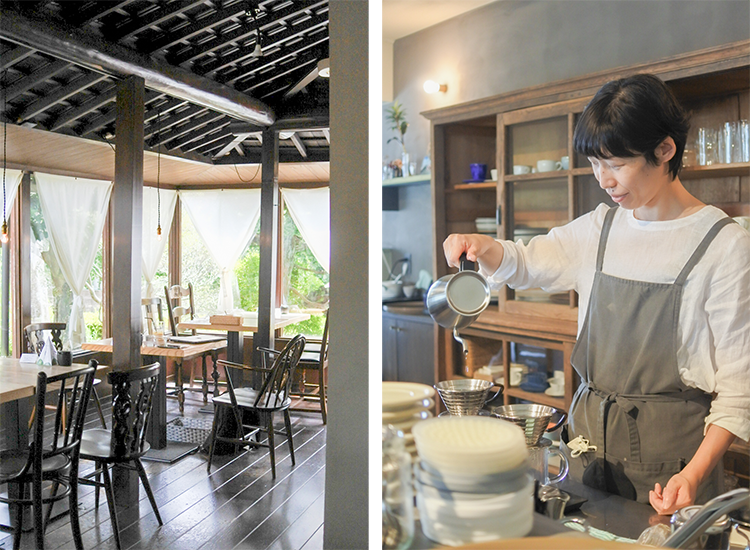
<point x="111" y="505"/>
<point x="322" y="394"/>
<point x="38" y="510"/>
<point x="271" y="445"/>
<point x="19" y="517"/>
<point x="178" y="383"/>
<point x="98" y="407"/>
<point x="147" y="486"/>
<point x="48" y="515"/>
<point x="213" y="439"/>
<point x="288" y="425"/>
<point x="75" y="524"/>
<point x="204" y="384"/>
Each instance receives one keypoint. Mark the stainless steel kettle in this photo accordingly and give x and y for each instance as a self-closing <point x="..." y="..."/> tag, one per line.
<point x="455" y="301"/>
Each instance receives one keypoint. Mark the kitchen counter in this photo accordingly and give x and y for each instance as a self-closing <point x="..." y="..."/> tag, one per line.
<point x="406" y="307"/>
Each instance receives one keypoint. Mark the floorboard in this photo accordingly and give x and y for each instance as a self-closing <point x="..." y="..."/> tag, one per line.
<point x="237" y="505"/>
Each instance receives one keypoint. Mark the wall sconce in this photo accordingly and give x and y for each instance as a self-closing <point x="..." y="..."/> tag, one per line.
<point x="431" y="87"/>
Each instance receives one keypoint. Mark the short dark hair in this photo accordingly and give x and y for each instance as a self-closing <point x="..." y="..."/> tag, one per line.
<point x="631" y="117"/>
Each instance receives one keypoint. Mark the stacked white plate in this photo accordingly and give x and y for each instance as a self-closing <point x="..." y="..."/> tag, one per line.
<point x="405" y="404"/>
<point x="472" y="480"/>
<point x="486" y="225"/>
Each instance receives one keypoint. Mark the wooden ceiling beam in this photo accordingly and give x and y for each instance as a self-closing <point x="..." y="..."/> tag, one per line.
<point x="12" y="56"/>
<point x="139" y="24"/>
<point x="70" y="89"/>
<point x="252" y="156"/>
<point x="83" y="109"/>
<point x="40" y="75"/>
<point x="175" y="119"/>
<point x="99" y="10"/>
<point x="196" y="131"/>
<point x="213" y="137"/>
<point x="232" y="144"/>
<point x="243" y="31"/>
<point x="299" y="145"/>
<point x="308" y="59"/>
<point x="91" y="127"/>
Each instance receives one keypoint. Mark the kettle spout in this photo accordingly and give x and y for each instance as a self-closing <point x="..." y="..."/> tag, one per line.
<point x="460" y="341"/>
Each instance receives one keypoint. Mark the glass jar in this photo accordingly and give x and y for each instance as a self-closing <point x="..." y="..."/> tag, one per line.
<point x="398" y="493"/>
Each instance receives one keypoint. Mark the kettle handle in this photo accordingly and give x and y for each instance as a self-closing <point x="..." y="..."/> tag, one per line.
<point x="466" y="265"/>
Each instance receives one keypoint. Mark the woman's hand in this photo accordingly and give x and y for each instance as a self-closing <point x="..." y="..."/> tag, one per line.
<point x="678" y="493"/>
<point x="478" y="248"/>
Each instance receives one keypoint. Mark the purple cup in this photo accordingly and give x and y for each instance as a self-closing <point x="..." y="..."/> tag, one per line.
<point x="478" y="172"/>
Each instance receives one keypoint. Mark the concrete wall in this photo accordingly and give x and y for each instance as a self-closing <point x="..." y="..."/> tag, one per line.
<point x="509" y="45"/>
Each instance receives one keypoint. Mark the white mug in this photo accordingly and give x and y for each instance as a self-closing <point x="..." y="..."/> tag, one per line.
<point x="493" y="174"/>
<point x="547" y="165"/>
<point x="565" y="162"/>
<point x="516" y="375"/>
<point x="519" y="169"/>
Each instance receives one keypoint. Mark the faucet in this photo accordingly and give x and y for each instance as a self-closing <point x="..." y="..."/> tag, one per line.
<point x="706" y="516"/>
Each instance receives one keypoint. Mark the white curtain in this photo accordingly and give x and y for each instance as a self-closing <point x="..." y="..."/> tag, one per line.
<point x="225" y="219"/>
<point x="12" y="179"/>
<point x="74" y="210"/>
<point x="310" y="209"/>
<point x="153" y="247"/>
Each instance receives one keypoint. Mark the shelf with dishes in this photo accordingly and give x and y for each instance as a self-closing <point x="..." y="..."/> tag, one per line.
<point x="490" y="185"/>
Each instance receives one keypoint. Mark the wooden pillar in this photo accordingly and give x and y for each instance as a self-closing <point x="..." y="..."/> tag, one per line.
<point x="127" y="212"/>
<point x="269" y="231"/>
<point x="20" y="235"/>
<point x="107" y="274"/>
<point x="175" y="249"/>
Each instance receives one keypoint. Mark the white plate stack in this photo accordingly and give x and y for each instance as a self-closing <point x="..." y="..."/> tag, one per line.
<point x="472" y="480"/>
<point x="405" y="404"/>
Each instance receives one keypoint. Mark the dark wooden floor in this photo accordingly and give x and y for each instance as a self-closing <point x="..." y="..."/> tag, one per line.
<point x="238" y="505"/>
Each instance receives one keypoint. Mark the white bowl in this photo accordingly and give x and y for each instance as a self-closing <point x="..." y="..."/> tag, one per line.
<point x="398" y="396"/>
<point x="424" y="406"/>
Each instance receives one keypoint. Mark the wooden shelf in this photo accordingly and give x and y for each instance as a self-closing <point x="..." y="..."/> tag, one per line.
<point x="487" y="185"/>
<point x="541" y="398"/>
<point x="409" y="180"/>
<point x="553" y="174"/>
<point x="716" y="171"/>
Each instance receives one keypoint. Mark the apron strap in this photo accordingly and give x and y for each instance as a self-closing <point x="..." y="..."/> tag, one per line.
<point x="606" y="226"/>
<point x="701" y="250"/>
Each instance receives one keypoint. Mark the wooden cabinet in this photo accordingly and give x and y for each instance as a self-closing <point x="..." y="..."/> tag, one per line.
<point x="527" y="126"/>
<point x="408" y="348"/>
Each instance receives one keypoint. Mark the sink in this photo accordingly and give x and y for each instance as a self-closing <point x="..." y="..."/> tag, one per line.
<point x="405" y="308"/>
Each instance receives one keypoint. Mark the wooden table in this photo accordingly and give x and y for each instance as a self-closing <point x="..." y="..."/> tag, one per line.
<point x="178" y="352"/>
<point x="249" y="324"/>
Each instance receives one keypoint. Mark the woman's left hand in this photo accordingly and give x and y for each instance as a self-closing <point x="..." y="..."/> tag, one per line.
<point x="678" y="493"/>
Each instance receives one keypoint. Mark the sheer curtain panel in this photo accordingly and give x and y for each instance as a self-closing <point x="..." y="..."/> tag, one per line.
<point x="12" y="180"/>
<point x="225" y="219"/>
<point x="311" y="211"/>
<point x="74" y="210"/>
<point x="153" y="247"/>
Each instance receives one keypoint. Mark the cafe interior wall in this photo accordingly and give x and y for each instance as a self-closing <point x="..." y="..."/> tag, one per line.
<point x="509" y="45"/>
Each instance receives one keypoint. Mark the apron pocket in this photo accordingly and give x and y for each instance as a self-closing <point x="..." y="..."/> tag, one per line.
<point x="634" y="480"/>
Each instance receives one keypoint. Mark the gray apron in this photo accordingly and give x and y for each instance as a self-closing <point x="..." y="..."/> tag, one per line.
<point x="632" y="404"/>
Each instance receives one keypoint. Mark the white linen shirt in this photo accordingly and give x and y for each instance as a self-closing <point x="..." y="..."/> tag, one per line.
<point x="714" y="324"/>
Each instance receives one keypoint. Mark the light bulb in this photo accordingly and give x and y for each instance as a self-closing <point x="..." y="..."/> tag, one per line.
<point x="431" y="87"/>
<point x="4" y="235"/>
<point x="158" y="232"/>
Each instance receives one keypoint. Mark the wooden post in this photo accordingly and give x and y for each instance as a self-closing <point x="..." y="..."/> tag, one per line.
<point x="127" y="212"/>
<point x="20" y="234"/>
<point x="269" y="230"/>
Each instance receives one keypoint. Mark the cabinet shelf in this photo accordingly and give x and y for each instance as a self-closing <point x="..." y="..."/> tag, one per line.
<point x="409" y="180"/>
<point x="716" y="171"/>
<point x="541" y="398"/>
<point x="489" y="185"/>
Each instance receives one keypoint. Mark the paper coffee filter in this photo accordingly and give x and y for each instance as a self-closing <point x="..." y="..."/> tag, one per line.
<point x="454" y="442"/>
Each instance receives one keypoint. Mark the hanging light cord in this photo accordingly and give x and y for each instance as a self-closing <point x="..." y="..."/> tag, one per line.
<point x="5" y="155"/>
<point x="158" y="173"/>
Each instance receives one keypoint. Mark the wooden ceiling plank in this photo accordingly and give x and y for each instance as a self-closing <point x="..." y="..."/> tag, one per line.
<point x="155" y="18"/>
<point x="69" y="90"/>
<point x="40" y="75"/>
<point x="100" y="9"/>
<point x="204" y="146"/>
<point x="83" y="109"/>
<point x="14" y="55"/>
<point x="278" y="75"/>
<point x="327" y="134"/>
<point x="177" y="131"/>
<point x="174" y="119"/>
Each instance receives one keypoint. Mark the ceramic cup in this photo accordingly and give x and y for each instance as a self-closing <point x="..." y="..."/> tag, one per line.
<point x="64" y="358"/>
<point x="547" y="165"/>
<point x="478" y="171"/>
<point x="557" y="387"/>
<point x="493" y="174"/>
<point x="516" y="375"/>
<point x="519" y="169"/>
<point x="565" y="162"/>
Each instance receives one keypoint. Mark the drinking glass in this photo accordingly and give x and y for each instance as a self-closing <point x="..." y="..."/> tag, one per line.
<point x="398" y="493"/>
<point x="744" y="131"/>
<point x="707" y="146"/>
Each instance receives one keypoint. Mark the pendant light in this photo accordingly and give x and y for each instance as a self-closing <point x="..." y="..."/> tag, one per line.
<point x="258" y="51"/>
<point x="158" y="174"/>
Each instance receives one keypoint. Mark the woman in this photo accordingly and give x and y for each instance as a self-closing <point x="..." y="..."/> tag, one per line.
<point x="663" y="347"/>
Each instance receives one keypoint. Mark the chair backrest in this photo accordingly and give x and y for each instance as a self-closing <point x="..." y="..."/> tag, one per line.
<point x="130" y="419"/>
<point x="152" y="314"/>
<point x="277" y="379"/>
<point x="73" y="398"/>
<point x="176" y="306"/>
<point x="275" y="388"/>
<point x="34" y="334"/>
<point x="324" y="339"/>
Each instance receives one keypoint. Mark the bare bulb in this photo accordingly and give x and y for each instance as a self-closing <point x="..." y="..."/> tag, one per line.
<point x="158" y="232"/>
<point x="4" y="235"/>
<point x="431" y="87"/>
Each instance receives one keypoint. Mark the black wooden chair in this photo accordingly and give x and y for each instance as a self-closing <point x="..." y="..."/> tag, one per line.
<point x="55" y="459"/>
<point x="34" y="334"/>
<point x="272" y="397"/>
<point x="314" y="360"/>
<point x="132" y="419"/>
